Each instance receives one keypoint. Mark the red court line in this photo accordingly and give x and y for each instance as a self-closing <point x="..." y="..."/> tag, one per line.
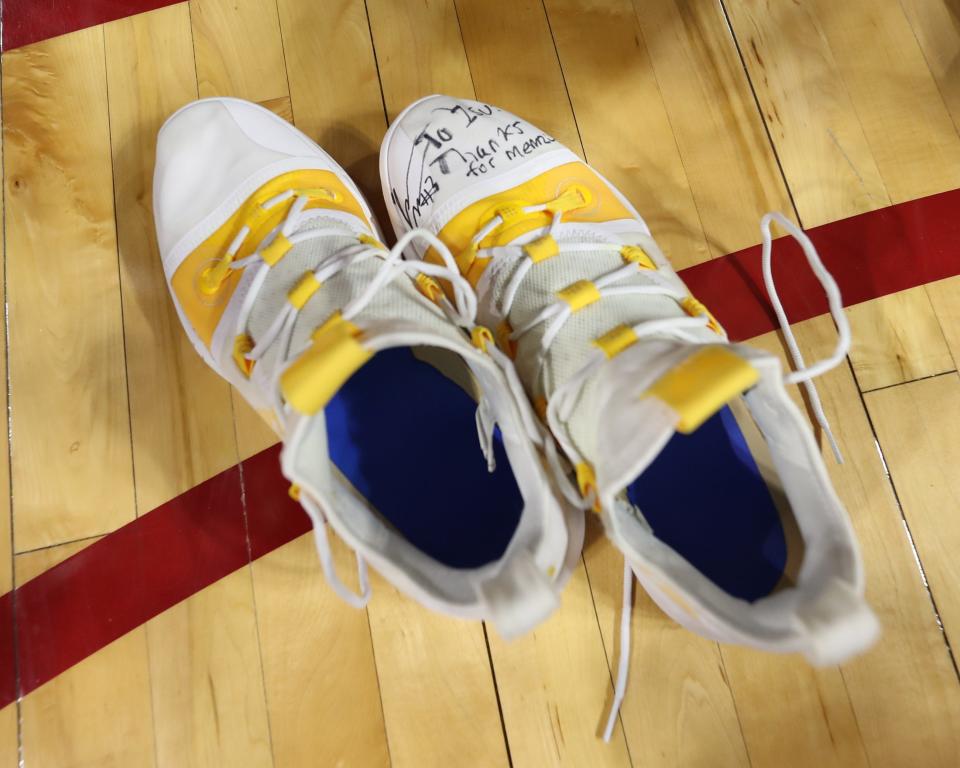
<point x="29" y="21"/>
<point x="167" y="555"/>
<point x="870" y="255"/>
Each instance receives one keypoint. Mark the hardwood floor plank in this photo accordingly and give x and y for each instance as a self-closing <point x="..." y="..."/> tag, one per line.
<point x="819" y="138"/>
<point x="419" y="51"/>
<point x="917" y="425"/>
<point x="67" y="377"/>
<point x="898" y="339"/>
<point x="623" y="121"/>
<point x="238" y="49"/>
<point x="945" y="299"/>
<point x="727" y="156"/>
<point x="318" y="663"/>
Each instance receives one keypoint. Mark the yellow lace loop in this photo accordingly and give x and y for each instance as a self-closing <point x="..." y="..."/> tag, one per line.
<point x="695" y="308"/>
<point x="481" y="336"/>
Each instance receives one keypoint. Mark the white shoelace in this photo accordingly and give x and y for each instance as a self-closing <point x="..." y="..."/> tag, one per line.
<point x="462" y="312"/>
<point x="558" y="313"/>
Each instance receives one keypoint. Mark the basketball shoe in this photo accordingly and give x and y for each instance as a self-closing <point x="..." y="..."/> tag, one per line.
<point x="706" y="476"/>
<point x="403" y="426"/>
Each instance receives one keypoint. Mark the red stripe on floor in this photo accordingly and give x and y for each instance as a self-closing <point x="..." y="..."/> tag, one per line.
<point x="165" y="556"/>
<point x="870" y="255"/>
<point x="29" y="21"/>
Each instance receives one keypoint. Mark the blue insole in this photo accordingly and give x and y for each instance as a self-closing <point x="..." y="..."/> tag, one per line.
<point x="704" y="497"/>
<point x="405" y="436"/>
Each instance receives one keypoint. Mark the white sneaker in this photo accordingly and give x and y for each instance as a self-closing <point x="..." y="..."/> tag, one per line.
<point x="276" y="269"/>
<point x="706" y="475"/>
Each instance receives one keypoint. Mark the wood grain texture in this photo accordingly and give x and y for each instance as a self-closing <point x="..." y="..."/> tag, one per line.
<point x="342" y="113"/>
<point x="914" y="141"/>
<point x="97" y="713"/>
<point x="623" y="122"/>
<point x="9" y="739"/>
<point x="514" y="64"/>
<point x="917" y="425"/>
<point x="945" y="299"/>
<point x="730" y="166"/>
<point x="936" y="23"/>
<point x="67" y="377"/>
<point x="419" y="51"/>
<point x="238" y="49"/>
<point x="439" y="701"/>
<point x="678" y="710"/>
<point x="897" y="338"/>
<point x="318" y="663"/>
<point x="555" y="688"/>
<point x="816" y="130"/>
<point x="904" y="690"/>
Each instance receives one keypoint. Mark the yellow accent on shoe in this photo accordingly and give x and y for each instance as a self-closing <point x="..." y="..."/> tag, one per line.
<point x="241" y="345"/>
<point x="428" y="287"/>
<point x="460" y="230"/>
<point x="575" y="196"/>
<point x="481" y="336"/>
<point x="294" y="492"/>
<point x="316" y="376"/>
<point x="614" y="341"/>
<point x="638" y="256"/>
<point x="277" y="249"/>
<point x="371" y="241"/>
<point x="587" y="482"/>
<point x="702" y="384"/>
<point x="695" y="308"/>
<point x="580" y="294"/>
<point x="508" y="345"/>
<point x="542" y="249"/>
<point x="540" y="406"/>
<point x="203" y="311"/>
<point x="305" y="288"/>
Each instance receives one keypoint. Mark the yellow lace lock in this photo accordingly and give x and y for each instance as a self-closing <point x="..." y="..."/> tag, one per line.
<point x="305" y="288"/>
<point x="429" y="287"/>
<point x="575" y="196"/>
<point x="481" y="336"/>
<point x="614" y="341"/>
<point x="242" y="344"/>
<point x="638" y="256"/>
<point x="319" y="193"/>
<point x="276" y="250"/>
<point x="542" y="249"/>
<point x="580" y="294"/>
<point x="372" y="242"/>
<point x="294" y="492"/>
<point x="212" y="277"/>
<point x="510" y="213"/>
<point x="587" y="482"/>
<point x="314" y="378"/>
<point x="695" y="308"/>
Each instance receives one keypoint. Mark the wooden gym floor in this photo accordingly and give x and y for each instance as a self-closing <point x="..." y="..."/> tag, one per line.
<point x="707" y="113"/>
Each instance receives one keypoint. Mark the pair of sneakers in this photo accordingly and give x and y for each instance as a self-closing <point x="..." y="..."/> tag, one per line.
<point x="454" y="405"/>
